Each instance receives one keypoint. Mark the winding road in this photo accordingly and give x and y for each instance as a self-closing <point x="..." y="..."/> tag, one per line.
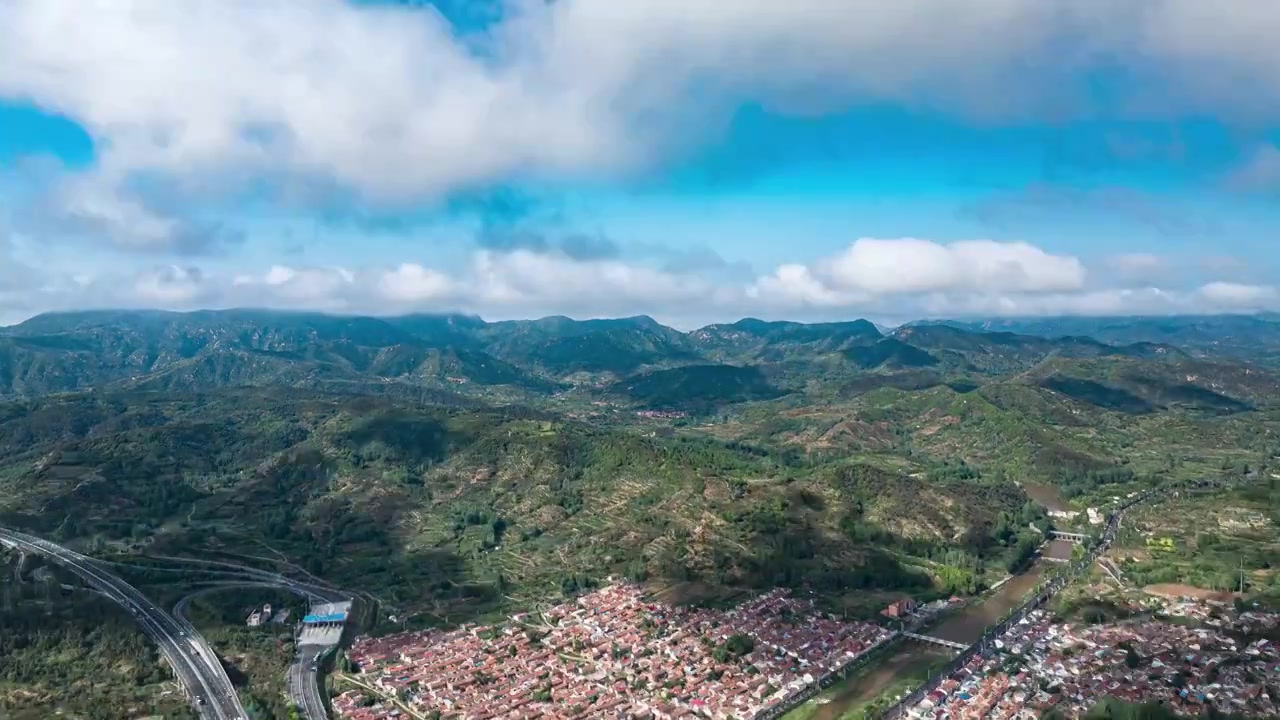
<point x="302" y="684"/>
<point x="193" y="661"/>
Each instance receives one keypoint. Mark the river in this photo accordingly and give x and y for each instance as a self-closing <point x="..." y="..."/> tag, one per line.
<point x="906" y="659"/>
<point x="966" y="625"/>
<point x="911" y="658"/>
<point x="1046" y="495"/>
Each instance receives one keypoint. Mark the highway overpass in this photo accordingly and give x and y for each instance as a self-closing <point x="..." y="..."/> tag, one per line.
<point x="194" y="663"/>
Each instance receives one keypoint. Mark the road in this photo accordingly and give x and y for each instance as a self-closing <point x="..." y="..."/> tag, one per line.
<point x="193" y="661"/>
<point x="236" y="572"/>
<point x="1077" y="567"/>
<point x="302" y="684"/>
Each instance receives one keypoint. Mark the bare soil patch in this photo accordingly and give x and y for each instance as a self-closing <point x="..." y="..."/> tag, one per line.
<point x="1173" y="590"/>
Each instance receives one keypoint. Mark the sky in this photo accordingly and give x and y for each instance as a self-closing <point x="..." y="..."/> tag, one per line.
<point x="693" y="160"/>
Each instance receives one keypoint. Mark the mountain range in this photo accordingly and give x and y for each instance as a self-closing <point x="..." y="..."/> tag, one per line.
<point x="454" y="358"/>
<point x="457" y="467"/>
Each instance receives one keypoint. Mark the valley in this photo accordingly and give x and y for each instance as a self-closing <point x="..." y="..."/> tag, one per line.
<point x="445" y="470"/>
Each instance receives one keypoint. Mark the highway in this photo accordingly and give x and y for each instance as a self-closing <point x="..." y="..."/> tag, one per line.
<point x="302" y="685"/>
<point x="193" y="661"/>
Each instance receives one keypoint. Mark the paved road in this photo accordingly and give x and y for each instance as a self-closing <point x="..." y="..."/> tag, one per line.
<point x="1055" y="585"/>
<point x="191" y="658"/>
<point x="236" y="573"/>
<point x="304" y="684"/>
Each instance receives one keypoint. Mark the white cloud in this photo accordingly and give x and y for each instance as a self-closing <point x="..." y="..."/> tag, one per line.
<point x="1016" y="280"/>
<point x="795" y="285"/>
<point x="317" y="287"/>
<point x="412" y="283"/>
<point x="1236" y="296"/>
<point x="910" y="265"/>
<point x="390" y="102"/>
<point x="523" y="277"/>
<point x="99" y="206"/>
<point x="873" y="268"/>
<point x="170" y="286"/>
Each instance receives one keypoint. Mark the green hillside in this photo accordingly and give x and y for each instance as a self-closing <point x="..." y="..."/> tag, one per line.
<point x="171" y="351"/>
<point x="697" y="387"/>
<point x="503" y="459"/>
<point x="452" y="510"/>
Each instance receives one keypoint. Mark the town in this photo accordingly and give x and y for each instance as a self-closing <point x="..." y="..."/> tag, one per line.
<point x="1190" y="655"/>
<point x="612" y="654"/>
<point x="615" y="654"/>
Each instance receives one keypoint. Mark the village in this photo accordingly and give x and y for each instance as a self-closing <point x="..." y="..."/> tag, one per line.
<point x="615" y="654"/>
<point x="611" y="654"/>
<point x="1189" y="655"/>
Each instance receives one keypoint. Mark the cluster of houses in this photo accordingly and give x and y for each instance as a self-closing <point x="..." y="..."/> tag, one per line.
<point x="259" y="616"/>
<point x="1040" y="664"/>
<point x="611" y="654"/>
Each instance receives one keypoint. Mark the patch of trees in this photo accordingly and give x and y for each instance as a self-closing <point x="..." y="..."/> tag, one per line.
<point x="733" y="648"/>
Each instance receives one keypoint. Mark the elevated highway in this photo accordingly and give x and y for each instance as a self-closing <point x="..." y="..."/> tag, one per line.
<point x="193" y="661"/>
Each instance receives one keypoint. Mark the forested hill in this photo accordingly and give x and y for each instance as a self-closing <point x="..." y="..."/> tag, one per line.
<point x="450" y="462"/>
<point x="453" y="358"/>
<point x="457" y="509"/>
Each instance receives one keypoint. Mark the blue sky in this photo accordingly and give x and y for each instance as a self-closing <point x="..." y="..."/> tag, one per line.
<point x="806" y="160"/>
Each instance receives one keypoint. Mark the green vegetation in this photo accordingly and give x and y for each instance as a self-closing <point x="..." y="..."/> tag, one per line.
<point x="870" y="690"/>
<point x="448" y="469"/>
<point x="76" y="654"/>
<point x="697" y="387"/>
<point x="1111" y="709"/>
<point x="1215" y="543"/>
<point x="449" y="511"/>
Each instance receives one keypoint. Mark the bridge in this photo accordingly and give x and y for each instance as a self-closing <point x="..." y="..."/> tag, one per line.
<point x="936" y="641"/>
<point x="1071" y="537"/>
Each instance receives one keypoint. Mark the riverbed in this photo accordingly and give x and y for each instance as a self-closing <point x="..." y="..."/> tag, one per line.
<point x="907" y="661"/>
<point x="1046" y="495"/>
<point x="911" y="658"/>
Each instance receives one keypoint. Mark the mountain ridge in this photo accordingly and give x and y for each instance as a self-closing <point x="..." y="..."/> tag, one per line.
<point x="634" y="359"/>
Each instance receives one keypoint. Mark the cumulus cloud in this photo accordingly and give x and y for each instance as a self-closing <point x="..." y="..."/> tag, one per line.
<point x="912" y="266"/>
<point x="1237" y="296"/>
<point x="606" y="286"/>
<point x="411" y="283"/>
<point x="885" y="279"/>
<point x="93" y="209"/>
<point x="316" y="287"/>
<point x="394" y="103"/>
<point x="171" y="286"/>
<point x="873" y="267"/>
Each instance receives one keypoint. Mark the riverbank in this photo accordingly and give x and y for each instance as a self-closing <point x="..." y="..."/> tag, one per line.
<point x="905" y="664"/>
<point x="908" y="663"/>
